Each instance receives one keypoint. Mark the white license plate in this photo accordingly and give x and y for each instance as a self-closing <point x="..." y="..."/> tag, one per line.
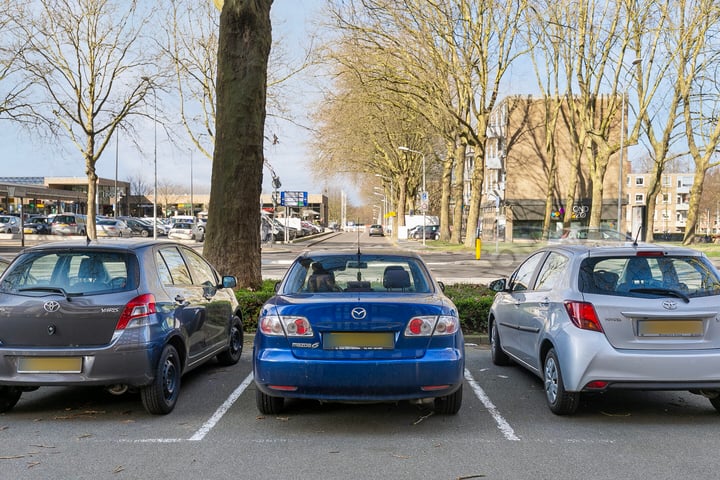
<point x="670" y="328"/>
<point x="49" y="365"/>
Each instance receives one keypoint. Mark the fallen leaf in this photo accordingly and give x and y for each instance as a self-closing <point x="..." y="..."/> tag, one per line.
<point x="404" y="457"/>
<point x="284" y="419"/>
<point x="32" y="464"/>
<point x="467" y="477"/>
<point x="118" y="469"/>
<point x="423" y="417"/>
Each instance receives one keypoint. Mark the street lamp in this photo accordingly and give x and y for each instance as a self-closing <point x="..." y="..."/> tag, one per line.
<point x="383" y="208"/>
<point x="423" y="194"/>
<point x="622" y="148"/>
<point x="392" y="196"/>
<point x="155" y="188"/>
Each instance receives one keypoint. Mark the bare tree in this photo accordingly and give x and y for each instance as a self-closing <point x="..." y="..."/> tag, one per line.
<point x="244" y="48"/>
<point x="13" y="104"/>
<point x="85" y="60"/>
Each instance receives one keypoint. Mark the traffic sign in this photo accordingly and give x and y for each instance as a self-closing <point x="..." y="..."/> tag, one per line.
<point x="294" y="199"/>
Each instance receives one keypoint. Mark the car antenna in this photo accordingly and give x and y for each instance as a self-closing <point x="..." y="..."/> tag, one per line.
<point x="358" y="238"/>
<point x="635" y="241"/>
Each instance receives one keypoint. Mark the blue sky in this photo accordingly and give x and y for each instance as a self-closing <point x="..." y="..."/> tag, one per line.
<point x="25" y="154"/>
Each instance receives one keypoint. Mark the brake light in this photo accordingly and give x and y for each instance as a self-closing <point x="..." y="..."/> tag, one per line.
<point x="583" y="315"/>
<point x="137" y="311"/>
<point x="431" y="325"/>
<point x="652" y="253"/>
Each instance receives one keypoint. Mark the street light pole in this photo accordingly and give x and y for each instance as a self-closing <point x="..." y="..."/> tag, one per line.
<point x="151" y="85"/>
<point x="622" y="149"/>
<point x="423" y="195"/>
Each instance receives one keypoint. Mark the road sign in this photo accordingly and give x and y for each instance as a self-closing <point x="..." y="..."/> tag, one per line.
<point x="294" y="199"/>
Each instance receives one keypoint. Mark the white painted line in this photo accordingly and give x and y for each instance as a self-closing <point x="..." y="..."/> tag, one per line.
<point x="502" y="424"/>
<point x="222" y="410"/>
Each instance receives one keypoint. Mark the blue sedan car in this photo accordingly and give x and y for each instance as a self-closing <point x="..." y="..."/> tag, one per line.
<point x="359" y="327"/>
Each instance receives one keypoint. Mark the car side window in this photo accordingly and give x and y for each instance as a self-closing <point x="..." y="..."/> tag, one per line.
<point x="202" y="273"/>
<point x="523" y="275"/>
<point x="176" y="272"/>
<point x="552" y="271"/>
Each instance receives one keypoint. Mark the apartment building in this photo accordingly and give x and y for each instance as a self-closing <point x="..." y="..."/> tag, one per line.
<point x="520" y="174"/>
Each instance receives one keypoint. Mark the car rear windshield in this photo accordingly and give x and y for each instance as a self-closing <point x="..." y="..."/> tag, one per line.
<point x="640" y="276"/>
<point x="353" y="273"/>
<point x="71" y="272"/>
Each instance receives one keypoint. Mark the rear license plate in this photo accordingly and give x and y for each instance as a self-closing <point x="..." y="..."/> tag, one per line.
<point x="49" y="365"/>
<point x="358" y="340"/>
<point x="670" y="328"/>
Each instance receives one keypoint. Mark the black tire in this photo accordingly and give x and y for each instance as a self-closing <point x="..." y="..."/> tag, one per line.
<point x="231" y="356"/>
<point x="160" y="397"/>
<point x="436" y="236"/>
<point x="9" y="396"/>
<point x="268" y="405"/>
<point x="715" y="401"/>
<point x="498" y="356"/>
<point x="560" y="401"/>
<point x="144" y="233"/>
<point x="449" y="404"/>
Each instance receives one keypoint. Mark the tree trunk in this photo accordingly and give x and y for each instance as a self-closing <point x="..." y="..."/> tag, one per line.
<point x="233" y="230"/>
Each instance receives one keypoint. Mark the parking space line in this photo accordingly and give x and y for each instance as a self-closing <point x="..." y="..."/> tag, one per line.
<point x="222" y="410"/>
<point x="502" y="424"/>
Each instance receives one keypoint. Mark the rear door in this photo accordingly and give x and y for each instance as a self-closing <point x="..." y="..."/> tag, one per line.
<point x="189" y="304"/>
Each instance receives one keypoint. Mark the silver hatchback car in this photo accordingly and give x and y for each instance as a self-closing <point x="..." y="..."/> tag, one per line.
<point x="591" y="318"/>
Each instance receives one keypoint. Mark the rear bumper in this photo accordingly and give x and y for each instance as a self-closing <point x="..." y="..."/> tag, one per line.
<point x="438" y="373"/>
<point x="133" y="366"/>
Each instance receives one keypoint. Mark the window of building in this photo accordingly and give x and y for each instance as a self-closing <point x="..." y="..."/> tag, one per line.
<point x="639" y="181"/>
<point x="666" y="180"/>
<point x="639" y="198"/>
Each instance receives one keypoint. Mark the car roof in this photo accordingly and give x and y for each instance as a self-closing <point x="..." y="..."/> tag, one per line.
<point x="353" y="251"/>
<point x="115" y="244"/>
<point x="620" y="249"/>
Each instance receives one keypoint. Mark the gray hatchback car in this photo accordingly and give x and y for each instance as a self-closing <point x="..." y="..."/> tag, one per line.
<point x="127" y="315"/>
<point x="591" y="318"/>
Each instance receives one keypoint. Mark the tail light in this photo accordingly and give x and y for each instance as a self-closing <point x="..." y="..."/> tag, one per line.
<point x="294" y="326"/>
<point x="137" y="312"/>
<point x="432" y="325"/>
<point x="583" y="315"/>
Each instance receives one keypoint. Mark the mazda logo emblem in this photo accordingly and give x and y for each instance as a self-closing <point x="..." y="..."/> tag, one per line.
<point x="51" y="306"/>
<point x="669" y="305"/>
<point x="358" y="313"/>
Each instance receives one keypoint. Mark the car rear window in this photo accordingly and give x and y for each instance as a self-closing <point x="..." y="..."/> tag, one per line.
<point x="642" y="276"/>
<point x="350" y="273"/>
<point x="72" y="272"/>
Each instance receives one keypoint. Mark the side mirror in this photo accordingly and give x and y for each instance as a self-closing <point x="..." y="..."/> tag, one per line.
<point x="277" y="286"/>
<point x="442" y="285"/>
<point x="228" y="281"/>
<point x="498" y="285"/>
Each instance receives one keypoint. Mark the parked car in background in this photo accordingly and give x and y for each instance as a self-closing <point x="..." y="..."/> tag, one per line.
<point x="9" y="224"/>
<point x="139" y="226"/>
<point x="39" y="225"/>
<point x="185" y="231"/>
<point x="359" y="327"/>
<point x="109" y="227"/>
<point x="431" y="232"/>
<point x="108" y="314"/>
<point x="376" y="229"/>
<point x="589" y="318"/>
<point x="69" y="224"/>
<point x="581" y="234"/>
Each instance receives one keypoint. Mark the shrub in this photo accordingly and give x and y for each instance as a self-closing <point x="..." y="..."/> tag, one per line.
<point x="473" y="303"/>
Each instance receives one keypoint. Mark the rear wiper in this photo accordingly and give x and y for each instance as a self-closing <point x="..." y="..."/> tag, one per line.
<point x="60" y="290"/>
<point x="662" y="291"/>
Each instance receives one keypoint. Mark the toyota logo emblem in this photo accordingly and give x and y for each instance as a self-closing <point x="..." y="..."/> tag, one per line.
<point x="51" y="306"/>
<point x="358" y="313"/>
<point x="669" y="305"/>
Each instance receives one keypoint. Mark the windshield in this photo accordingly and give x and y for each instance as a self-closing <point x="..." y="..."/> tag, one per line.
<point x="357" y="273"/>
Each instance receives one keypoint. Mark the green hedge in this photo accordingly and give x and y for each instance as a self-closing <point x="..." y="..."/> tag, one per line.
<point x="473" y="303"/>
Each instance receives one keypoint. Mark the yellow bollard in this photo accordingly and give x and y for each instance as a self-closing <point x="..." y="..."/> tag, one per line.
<point x="478" y="248"/>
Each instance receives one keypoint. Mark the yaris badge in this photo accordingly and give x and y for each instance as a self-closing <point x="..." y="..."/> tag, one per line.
<point x="51" y="306"/>
<point x="358" y="313"/>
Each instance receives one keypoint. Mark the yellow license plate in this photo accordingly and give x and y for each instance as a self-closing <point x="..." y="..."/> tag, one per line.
<point x="358" y="340"/>
<point x="670" y="328"/>
<point x="49" y="365"/>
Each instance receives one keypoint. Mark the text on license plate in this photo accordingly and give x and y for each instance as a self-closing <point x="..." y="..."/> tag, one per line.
<point x="49" y="365"/>
<point x="358" y="340"/>
<point x="670" y="328"/>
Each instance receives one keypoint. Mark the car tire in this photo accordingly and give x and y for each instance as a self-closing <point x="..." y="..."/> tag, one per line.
<point x="560" y="401"/>
<point x="449" y="404"/>
<point x="268" y="405"/>
<point x="144" y="233"/>
<point x="714" y="401"/>
<point x="436" y="237"/>
<point x="9" y="396"/>
<point x="231" y="356"/>
<point x="498" y="356"/>
<point x="160" y="397"/>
